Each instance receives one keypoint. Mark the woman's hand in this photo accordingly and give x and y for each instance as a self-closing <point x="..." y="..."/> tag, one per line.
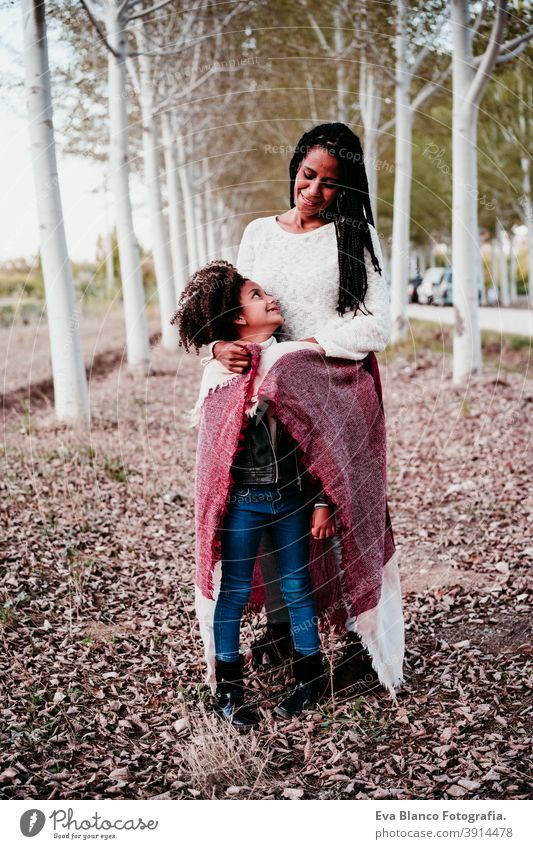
<point x="233" y="356"/>
<point x="312" y="339"/>
<point x="322" y="523"/>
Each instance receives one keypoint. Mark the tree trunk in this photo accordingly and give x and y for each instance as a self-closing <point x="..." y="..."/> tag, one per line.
<point x="467" y="337"/>
<point x="494" y="264"/>
<point x="178" y="249"/>
<point x="512" y="271"/>
<point x="224" y="244"/>
<point x="68" y="370"/>
<point x="188" y="206"/>
<point x="480" y="273"/>
<point x="402" y="183"/>
<point x="107" y="243"/>
<point x="338" y="41"/>
<point x="504" y="269"/>
<point x="524" y="122"/>
<point x="199" y="216"/>
<point x="370" y="108"/>
<point x="209" y="213"/>
<point x="137" y="340"/>
<point x="525" y="202"/>
<point x="162" y="261"/>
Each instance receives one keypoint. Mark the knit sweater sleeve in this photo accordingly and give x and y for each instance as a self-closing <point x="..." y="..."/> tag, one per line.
<point x="352" y="337"/>
<point x="245" y="256"/>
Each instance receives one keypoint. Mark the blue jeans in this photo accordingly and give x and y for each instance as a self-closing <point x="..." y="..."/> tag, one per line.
<point x="250" y="510"/>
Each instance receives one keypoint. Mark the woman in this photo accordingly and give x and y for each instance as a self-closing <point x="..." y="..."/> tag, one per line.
<point x="321" y="260"/>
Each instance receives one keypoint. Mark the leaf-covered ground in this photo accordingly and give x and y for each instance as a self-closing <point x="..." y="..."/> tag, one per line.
<point x="101" y="680"/>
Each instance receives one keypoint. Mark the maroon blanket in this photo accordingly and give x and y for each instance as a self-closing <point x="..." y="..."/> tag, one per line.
<point x="333" y="409"/>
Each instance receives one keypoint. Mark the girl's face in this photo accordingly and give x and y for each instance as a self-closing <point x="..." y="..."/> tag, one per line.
<point x="316" y="184"/>
<point x="259" y="311"/>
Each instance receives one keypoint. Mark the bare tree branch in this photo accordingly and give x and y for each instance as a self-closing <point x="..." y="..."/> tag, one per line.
<point x="132" y="69"/>
<point x="145" y="12"/>
<point x="479" y="18"/>
<point x="318" y="32"/>
<point x="124" y="5"/>
<point x="430" y="89"/>
<point x="513" y="53"/>
<point x="176" y="97"/>
<point x="312" y="101"/>
<point x="98" y="29"/>
<point x="515" y="42"/>
<point x="379" y="61"/>
<point x="489" y="57"/>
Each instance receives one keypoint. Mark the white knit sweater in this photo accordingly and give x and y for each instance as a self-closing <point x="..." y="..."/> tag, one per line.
<point x="301" y="270"/>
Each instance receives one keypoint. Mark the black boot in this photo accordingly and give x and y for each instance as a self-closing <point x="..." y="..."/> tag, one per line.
<point x="354" y="668"/>
<point x="229" y="696"/>
<point x="275" y="642"/>
<point x="308" y="672"/>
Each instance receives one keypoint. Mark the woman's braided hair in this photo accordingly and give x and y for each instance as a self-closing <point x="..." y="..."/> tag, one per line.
<point x="351" y="209"/>
<point x="208" y="305"/>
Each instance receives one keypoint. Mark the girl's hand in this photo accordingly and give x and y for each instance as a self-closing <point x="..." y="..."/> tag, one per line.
<point x="312" y="339"/>
<point x="233" y="356"/>
<point x="322" y="523"/>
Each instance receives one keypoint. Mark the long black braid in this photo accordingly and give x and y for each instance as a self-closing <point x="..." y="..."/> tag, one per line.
<point x="351" y="210"/>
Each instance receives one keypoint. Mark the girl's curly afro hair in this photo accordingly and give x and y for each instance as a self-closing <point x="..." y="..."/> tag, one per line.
<point x="209" y="305"/>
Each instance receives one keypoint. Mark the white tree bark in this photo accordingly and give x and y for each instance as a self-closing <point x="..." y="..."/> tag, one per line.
<point x="468" y="87"/>
<point x="178" y="249"/>
<point x="224" y="249"/>
<point x="512" y="271"/>
<point x="162" y="260"/>
<point x="209" y="208"/>
<point x="338" y="44"/>
<point x="199" y="214"/>
<point x="137" y="340"/>
<point x="525" y="162"/>
<point x="68" y="371"/>
<point x="370" y="108"/>
<point x="494" y="264"/>
<point x="188" y="206"/>
<point x="402" y="182"/>
<point x="107" y="242"/>
<point x="480" y="275"/>
<point x="504" y="268"/>
<point x="527" y="206"/>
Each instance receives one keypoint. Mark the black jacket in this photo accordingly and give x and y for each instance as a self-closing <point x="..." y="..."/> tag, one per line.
<point x="262" y="463"/>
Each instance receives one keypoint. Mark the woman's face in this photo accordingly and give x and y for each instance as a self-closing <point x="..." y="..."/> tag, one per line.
<point x="316" y="184"/>
<point x="259" y="311"/>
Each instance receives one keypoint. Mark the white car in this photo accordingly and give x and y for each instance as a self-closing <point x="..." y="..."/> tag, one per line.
<point x="436" y="287"/>
<point x="431" y="284"/>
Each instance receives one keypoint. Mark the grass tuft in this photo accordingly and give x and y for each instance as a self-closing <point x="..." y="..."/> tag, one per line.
<point x="217" y="756"/>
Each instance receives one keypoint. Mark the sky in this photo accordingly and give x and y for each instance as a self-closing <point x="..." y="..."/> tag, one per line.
<point x="85" y="210"/>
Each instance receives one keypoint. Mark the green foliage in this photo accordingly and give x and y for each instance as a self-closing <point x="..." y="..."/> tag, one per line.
<point x="116" y="469"/>
<point x="22" y="278"/>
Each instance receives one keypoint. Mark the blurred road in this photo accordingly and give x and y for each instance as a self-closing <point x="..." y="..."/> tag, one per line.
<point x="508" y="320"/>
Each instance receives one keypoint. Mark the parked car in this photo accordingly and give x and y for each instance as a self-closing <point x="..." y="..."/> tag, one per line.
<point x="443" y="297"/>
<point x="430" y="284"/>
<point x="442" y="292"/>
<point x="414" y="283"/>
<point x="436" y="287"/>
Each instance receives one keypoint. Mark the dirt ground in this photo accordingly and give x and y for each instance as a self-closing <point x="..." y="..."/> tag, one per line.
<point x="102" y="678"/>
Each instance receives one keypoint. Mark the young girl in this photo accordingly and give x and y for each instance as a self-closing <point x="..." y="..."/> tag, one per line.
<point x="267" y="490"/>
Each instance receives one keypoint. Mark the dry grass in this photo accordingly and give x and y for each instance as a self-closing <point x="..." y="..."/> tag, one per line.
<point x="219" y="759"/>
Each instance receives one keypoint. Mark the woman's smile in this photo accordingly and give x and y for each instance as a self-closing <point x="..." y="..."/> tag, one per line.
<point x="309" y="203"/>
